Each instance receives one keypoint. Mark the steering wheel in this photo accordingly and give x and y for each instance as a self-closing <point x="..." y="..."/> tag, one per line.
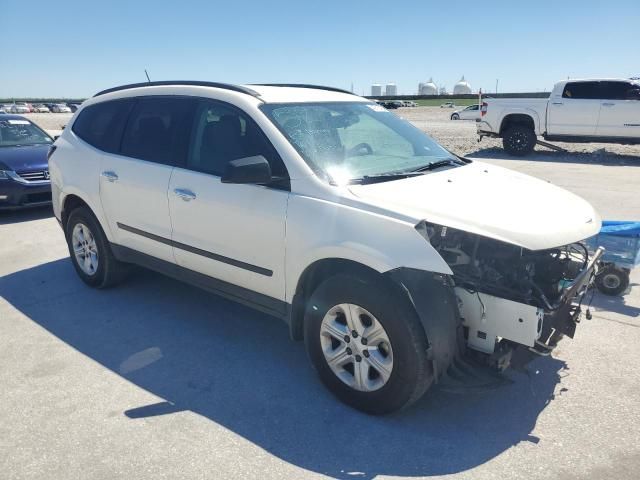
<point x="360" y="150"/>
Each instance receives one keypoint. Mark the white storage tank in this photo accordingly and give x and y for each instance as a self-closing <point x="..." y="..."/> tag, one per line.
<point x="390" y="90"/>
<point x="428" y="88"/>
<point x="462" y="87"/>
<point x="376" y="90"/>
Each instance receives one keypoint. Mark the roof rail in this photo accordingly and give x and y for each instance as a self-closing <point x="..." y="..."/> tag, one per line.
<point x="303" y="85"/>
<point x="225" y="86"/>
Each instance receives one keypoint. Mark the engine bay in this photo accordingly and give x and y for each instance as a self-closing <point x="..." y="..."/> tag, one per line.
<point x="485" y="265"/>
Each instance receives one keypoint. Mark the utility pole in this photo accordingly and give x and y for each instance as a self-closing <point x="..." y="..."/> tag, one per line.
<point x="496" y="86"/>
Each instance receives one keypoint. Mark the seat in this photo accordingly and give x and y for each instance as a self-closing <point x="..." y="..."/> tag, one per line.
<point x="222" y="141"/>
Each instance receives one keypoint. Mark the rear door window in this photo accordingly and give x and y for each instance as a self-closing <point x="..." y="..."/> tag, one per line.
<point x="582" y="90"/>
<point x="101" y="125"/>
<point x="618" y="90"/>
<point x="158" y="130"/>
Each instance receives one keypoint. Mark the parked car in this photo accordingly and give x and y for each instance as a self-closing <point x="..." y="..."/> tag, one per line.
<point x="73" y="107"/>
<point x="590" y="110"/>
<point x="472" y="112"/>
<point x="2" y="110"/>
<point x="60" y="108"/>
<point x="24" y="172"/>
<point x="386" y="253"/>
<point x="448" y="105"/>
<point x="19" y="108"/>
<point x="41" y="109"/>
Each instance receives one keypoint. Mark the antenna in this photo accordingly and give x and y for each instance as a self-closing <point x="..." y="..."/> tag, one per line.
<point x="148" y="79"/>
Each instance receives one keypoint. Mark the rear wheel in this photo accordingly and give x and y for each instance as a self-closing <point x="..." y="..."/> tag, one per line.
<point x="519" y="140"/>
<point x="612" y="280"/>
<point x="90" y="251"/>
<point x="367" y="344"/>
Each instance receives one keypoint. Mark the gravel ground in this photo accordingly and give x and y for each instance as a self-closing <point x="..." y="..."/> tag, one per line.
<point x="155" y="379"/>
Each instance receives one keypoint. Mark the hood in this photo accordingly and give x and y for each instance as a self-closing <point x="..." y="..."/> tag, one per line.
<point x="22" y="159"/>
<point x="490" y="201"/>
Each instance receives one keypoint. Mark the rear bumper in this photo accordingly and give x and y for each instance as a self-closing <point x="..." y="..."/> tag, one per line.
<point x="484" y="129"/>
<point x="15" y="195"/>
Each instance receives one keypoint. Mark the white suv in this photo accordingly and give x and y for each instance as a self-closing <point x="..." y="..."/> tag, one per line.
<point x="386" y="253"/>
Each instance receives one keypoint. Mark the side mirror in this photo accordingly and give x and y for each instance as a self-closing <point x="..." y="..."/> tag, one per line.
<point x="252" y="170"/>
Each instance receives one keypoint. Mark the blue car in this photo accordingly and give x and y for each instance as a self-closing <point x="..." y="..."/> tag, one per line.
<point x="24" y="169"/>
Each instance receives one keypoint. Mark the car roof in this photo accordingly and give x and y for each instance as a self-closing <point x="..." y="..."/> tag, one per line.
<point x="265" y="93"/>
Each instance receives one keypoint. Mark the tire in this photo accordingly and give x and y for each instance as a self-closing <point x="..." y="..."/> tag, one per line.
<point x="106" y="271"/>
<point x="455" y="116"/>
<point x="519" y="140"/>
<point x="408" y="371"/>
<point x="612" y="280"/>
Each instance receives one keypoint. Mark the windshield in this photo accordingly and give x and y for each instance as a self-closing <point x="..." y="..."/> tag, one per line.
<point x="18" y="132"/>
<point x="349" y="141"/>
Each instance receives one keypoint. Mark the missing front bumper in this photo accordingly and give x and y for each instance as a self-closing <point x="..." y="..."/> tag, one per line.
<point x="491" y="322"/>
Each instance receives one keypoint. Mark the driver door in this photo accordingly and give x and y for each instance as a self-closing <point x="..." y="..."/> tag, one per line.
<point x="234" y="233"/>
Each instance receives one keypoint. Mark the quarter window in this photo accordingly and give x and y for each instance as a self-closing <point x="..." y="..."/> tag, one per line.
<point x="101" y="125"/>
<point x="158" y="130"/>
<point x="222" y="133"/>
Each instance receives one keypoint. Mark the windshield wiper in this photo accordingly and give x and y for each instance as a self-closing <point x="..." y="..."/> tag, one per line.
<point x="384" y="177"/>
<point x="439" y="164"/>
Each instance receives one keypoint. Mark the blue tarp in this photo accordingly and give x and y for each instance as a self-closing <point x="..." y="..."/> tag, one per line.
<point x="621" y="229"/>
<point x="621" y="241"/>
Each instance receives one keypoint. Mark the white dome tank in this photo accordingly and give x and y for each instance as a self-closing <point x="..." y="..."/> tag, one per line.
<point x="428" y="88"/>
<point x="462" y="87"/>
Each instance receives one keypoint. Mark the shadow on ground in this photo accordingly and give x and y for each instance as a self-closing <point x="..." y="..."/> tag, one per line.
<point x="541" y="154"/>
<point x="7" y="217"/>
<point x="239" y="369"/>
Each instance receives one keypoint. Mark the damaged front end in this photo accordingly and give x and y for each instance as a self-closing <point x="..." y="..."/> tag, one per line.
<point x="510" y="298"/>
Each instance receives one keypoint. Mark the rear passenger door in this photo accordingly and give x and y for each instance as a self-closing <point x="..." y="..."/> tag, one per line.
<point x="575" y="111"/>
<point x="134" y="181"/>
<point x="231" y="232"/>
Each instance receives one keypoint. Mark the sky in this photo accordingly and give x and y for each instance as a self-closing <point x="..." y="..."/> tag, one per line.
<point x="74" y="48"/>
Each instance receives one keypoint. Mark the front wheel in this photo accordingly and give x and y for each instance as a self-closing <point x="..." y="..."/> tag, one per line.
<point x="519" y="140"/>
<point x="367" y="344"/>
<point x="455" y="116"/>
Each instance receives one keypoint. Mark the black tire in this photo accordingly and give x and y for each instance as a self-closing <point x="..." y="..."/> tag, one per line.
<point x="612" y="280"/>
<point x="519" y="140"/>
<point x="109" y="270"/>
<point x="411" y="374"/>
<point x="455" y="116"/>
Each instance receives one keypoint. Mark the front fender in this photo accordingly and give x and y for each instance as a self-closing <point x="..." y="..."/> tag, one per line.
<point x="318" y="230"/>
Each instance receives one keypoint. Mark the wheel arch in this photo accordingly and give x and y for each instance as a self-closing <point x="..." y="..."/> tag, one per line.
<point x="74" y="199"/>
<point x="524" y="118"/>
<point x="312" y="276"/>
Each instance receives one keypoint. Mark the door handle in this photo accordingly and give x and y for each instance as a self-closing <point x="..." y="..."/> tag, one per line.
<point x="608" y="104"/>
<point x="184" y="194"/>
<point x="110" y="176"/>
<point x="558" y="103"/>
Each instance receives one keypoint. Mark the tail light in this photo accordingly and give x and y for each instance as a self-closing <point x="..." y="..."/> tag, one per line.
<point x="483" y="109"/>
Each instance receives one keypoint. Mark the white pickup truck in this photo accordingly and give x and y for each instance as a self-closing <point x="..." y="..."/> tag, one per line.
<point x="588" y="110"/>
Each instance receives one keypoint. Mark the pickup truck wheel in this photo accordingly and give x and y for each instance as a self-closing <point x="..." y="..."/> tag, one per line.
<point x="90" y="252"/>
<point x="519" y="140"/>
<point x="612" y="280"/>
<point x="455" y="116"/>
<point x="366" y="344"/>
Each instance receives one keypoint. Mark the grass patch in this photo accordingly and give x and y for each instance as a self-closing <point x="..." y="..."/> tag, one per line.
<point x="436" y="102"/>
